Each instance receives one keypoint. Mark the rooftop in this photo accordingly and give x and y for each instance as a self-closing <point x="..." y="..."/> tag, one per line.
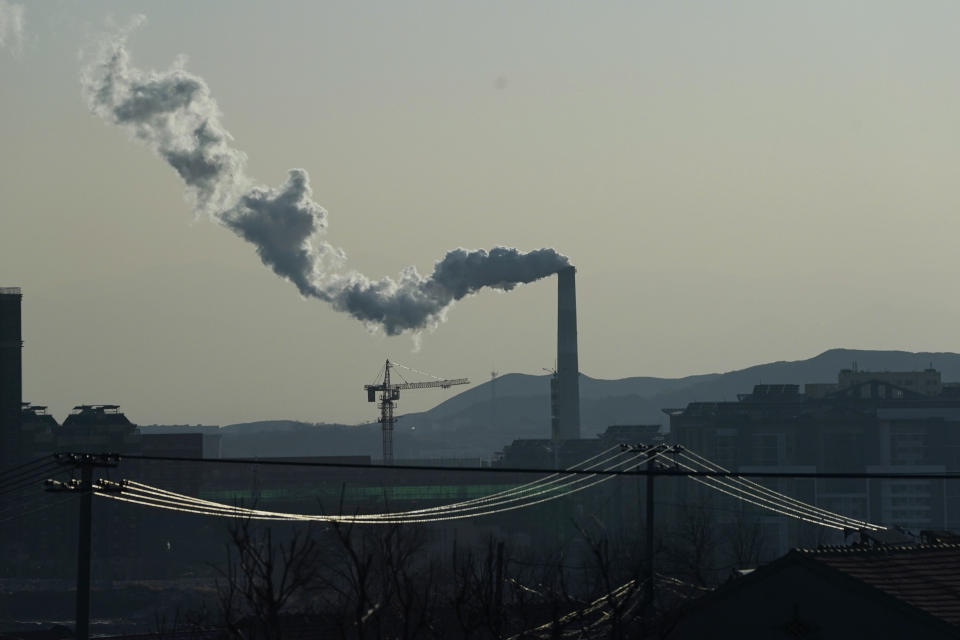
<point x="96" y="415"/>
<point x="924" y="576"/>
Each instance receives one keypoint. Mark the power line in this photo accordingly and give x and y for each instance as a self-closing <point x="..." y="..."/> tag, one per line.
<point x="528" y="492"/>
<point x="617" y="596"/>
<point x="498" y="498"/>
<point x="796" y="506"/>
<point x="26" y="492"/>
<point x="35" y="461"/>
<point x="534" y="483"/>
<point x="553" y="486"/>
<point x="147" y="495"/>
<point x="834" y="521"/>
<point x="14" y="478"/>
<point x="27" y="481"/>
<point x="757" y="487"/>
<point x="763" y="506"/>
<point x="171" y="500"/>
<point x="872" y="475"/>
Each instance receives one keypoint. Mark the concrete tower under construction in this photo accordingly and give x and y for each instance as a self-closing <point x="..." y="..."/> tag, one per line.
<point x="565" y="391"/>
<point x="11" y="385"/>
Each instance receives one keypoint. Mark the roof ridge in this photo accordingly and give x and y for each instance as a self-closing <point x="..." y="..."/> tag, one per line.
<point x="877" y="549"/>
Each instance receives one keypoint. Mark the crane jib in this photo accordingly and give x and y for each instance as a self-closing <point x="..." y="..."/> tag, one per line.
<point x="445" y="384"/>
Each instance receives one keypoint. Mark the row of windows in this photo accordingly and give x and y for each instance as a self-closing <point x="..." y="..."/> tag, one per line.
<point x="841" y="450"/>
<point x="921" y="487"/>
<point x="907" y="515"/>
<point x="907" y="502"/>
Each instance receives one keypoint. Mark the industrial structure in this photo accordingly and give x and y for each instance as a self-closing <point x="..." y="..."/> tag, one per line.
<point x="390" y="394"/>
<point x="11" y="381"/>
<point x="565" y="384"/>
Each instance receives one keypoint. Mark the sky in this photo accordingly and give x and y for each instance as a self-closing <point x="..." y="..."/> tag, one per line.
<point x="736" y="183"/>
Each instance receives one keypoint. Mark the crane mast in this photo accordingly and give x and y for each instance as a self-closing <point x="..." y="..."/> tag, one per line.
<point x="389" y="395"/>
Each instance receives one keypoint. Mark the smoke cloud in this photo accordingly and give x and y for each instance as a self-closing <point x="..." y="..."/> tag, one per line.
<point x="174" y="114"/>
<point x="11" y="27"/>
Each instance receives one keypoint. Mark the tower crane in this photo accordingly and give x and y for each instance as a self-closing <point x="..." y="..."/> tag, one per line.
<point x="390" y="394"/>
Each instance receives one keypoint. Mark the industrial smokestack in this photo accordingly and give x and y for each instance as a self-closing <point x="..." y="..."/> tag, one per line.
<point x="11" y="385"/>
<point x="566" y="419"/>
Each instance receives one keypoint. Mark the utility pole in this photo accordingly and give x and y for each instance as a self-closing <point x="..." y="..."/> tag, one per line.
<point x="86" y="463"/>
<point x="496" y="604"/>
<point x="493" y="400"/>
<point x="650" y="570"/>
<point x="653" y="451"/>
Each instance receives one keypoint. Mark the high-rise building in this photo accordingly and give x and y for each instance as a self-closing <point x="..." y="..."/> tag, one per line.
<point x="11" y="385"/>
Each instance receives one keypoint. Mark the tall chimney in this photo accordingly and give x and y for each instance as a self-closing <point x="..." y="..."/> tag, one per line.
<point x="566" y="419"/>
<point x="11" y="386"/>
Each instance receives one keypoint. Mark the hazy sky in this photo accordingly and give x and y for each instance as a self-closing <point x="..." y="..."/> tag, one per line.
<point x="737" y="182"/>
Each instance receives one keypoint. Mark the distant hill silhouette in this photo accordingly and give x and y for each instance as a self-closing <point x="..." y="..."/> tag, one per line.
<point x="463" y="426"/>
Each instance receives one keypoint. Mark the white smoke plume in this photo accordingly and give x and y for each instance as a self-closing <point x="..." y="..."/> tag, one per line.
<point x="174" y="114"/>
<point x="11" y="27"/>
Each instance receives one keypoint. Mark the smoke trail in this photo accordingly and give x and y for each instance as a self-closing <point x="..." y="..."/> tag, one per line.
<point x="175" y="115"/>
<point x="11" y="27"/>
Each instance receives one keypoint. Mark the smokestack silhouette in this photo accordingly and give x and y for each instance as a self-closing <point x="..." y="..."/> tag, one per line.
<point x="174" y="113"/>
<point x="566" y="422"/>
<point x="11" y="375"/>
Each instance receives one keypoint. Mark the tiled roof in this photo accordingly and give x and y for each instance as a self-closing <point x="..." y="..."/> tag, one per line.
<point x="924" y="576"/>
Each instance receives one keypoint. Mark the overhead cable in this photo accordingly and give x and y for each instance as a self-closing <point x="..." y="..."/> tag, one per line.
<point x="710" y="465"/>
<point x="501" y="497"/>
<point x="15" y="478"/>
<point x="709" y="483"/>
<point x="827" y="516"/>
<point x="599" y="604"/>
<point x="27" y="481"/>
<point x="508" y="496"/>
<point x="468" y="512"/>
<point x="170" y="500"/>
<point x="5" y="472"/>
<point x="524" y="487"/>
<point x="147" y="495"/>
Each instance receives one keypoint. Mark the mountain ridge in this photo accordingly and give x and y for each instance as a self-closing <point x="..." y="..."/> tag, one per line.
<point x="470" y="425"/>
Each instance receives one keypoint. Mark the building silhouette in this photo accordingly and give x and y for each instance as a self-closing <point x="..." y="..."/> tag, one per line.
<point x="38" y="431"/>
<point x="11" y="384"/>
<point x="883" y="422"/>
